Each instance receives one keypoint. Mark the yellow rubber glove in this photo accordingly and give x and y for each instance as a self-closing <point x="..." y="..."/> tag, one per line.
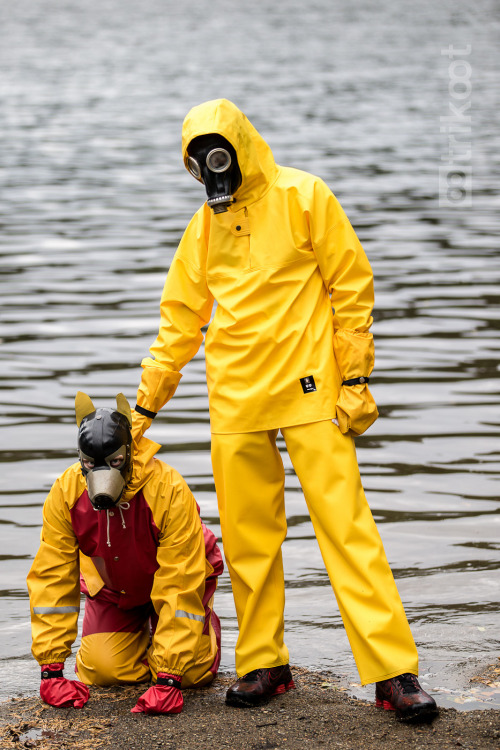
<point x="157" y="386"/>
<point x="355" y="354"/>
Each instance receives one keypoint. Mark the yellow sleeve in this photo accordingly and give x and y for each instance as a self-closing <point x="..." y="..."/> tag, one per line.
<point x="179" y="582"/>
<point x="53" y="581"/>
<point x="186" y="306"/>
<point x="348" y="277"/>
<point x="342" y="261"/>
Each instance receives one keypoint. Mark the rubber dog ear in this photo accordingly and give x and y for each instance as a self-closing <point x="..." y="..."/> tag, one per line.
<point x="124" y="408"/>
<point x="83" y="407"/>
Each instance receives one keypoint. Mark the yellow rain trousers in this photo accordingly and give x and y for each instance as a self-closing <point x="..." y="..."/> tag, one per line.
<point x="294" y="294"/>
<point x="144" y="561"/>
<point x="248" y="468"/>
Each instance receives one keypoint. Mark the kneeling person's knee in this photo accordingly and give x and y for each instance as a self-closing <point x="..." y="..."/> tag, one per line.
<point x="112" y="658"/>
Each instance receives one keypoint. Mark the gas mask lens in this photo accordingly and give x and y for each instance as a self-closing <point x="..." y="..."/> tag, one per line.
<point x="194" y="168"/>
<point x="218" y="160"/>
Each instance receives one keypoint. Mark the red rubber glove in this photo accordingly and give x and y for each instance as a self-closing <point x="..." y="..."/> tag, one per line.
<point x="163" y="698"/>
<point x="56" y="690"/>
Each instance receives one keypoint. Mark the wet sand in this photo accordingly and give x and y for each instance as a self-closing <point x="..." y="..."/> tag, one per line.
<point x="318" y="714"/>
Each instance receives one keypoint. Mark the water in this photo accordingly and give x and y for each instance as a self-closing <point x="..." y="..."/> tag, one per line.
<point x="94" y="198"/>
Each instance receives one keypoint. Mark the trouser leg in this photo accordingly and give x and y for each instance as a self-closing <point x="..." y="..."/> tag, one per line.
<point x="114" y="642"/>
<point x="118" y="645"/>
<point x="376" y="625"/>
<point x="249" y="479"/>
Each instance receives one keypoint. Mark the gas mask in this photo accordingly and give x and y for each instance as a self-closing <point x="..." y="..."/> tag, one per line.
<point x="104" y="449"/>
<point x="212" y="160"/>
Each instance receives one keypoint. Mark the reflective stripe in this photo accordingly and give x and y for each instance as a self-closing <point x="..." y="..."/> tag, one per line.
<point x="54" y="610"/>
<point x="189" y="615"/>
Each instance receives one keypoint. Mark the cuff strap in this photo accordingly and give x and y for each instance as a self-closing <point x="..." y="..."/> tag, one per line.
<point x="145" y="412"/>
<point x="49" y="673"/>
<point x="356" y="381"/>
<point x="168" y="681"/>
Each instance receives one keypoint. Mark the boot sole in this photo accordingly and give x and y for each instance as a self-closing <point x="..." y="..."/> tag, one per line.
<point x="415" y="713"/>
<point x="250" y="701"/>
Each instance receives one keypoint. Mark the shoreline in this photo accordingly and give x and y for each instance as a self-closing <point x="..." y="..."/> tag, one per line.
<point x="318" y="714"/>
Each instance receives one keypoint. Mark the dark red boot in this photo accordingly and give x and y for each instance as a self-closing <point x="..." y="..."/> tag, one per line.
<point x="404" y="695"/>
<point x="259" y="686"/>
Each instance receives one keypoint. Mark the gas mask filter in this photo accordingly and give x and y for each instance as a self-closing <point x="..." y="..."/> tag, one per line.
<point x="212" y="160"/>
<point x="104" y="449"/>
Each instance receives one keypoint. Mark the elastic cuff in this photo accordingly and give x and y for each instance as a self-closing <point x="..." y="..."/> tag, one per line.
<point x="177" y="673"/>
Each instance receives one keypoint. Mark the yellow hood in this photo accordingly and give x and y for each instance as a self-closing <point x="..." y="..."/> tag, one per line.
<point x="142" y="467"/>
<point x="255" y="158"/>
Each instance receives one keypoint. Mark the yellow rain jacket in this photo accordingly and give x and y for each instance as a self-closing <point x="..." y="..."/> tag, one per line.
<point x="276" y="263"/>
<point x="150" y="548"/>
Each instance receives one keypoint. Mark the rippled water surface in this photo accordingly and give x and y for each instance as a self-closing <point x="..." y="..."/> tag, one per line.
<point x="93" y="201"/>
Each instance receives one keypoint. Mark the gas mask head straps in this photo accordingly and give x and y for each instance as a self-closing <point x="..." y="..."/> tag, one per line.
<point x="212" y="160"/>
<point x="105" y="449"/>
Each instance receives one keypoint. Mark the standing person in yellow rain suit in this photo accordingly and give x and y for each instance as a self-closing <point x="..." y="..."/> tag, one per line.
<point x="125" y="528"/>
<point x="274" y="248"/>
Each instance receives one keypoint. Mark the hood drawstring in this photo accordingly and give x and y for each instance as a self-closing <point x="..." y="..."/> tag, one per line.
<point x="121" y="508"/>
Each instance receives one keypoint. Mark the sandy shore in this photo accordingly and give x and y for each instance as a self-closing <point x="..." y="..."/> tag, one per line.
<point x="318" y="714"/>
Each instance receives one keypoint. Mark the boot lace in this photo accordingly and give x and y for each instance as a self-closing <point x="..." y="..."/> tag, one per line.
<point x="408" y="682"/>
<point x="253" y="676"/>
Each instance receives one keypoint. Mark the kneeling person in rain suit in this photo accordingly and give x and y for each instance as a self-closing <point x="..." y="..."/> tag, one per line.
<point x="276" y="251"/>
<point x="123" y="527"/>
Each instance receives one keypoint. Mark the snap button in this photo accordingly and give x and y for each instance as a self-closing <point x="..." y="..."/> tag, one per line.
<point x="361" y="380"/>
<point x="240" y="226"/>
<point x="116" y="558"/>
<point x="111" y="513"/>
<point x="123" y="592"/>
